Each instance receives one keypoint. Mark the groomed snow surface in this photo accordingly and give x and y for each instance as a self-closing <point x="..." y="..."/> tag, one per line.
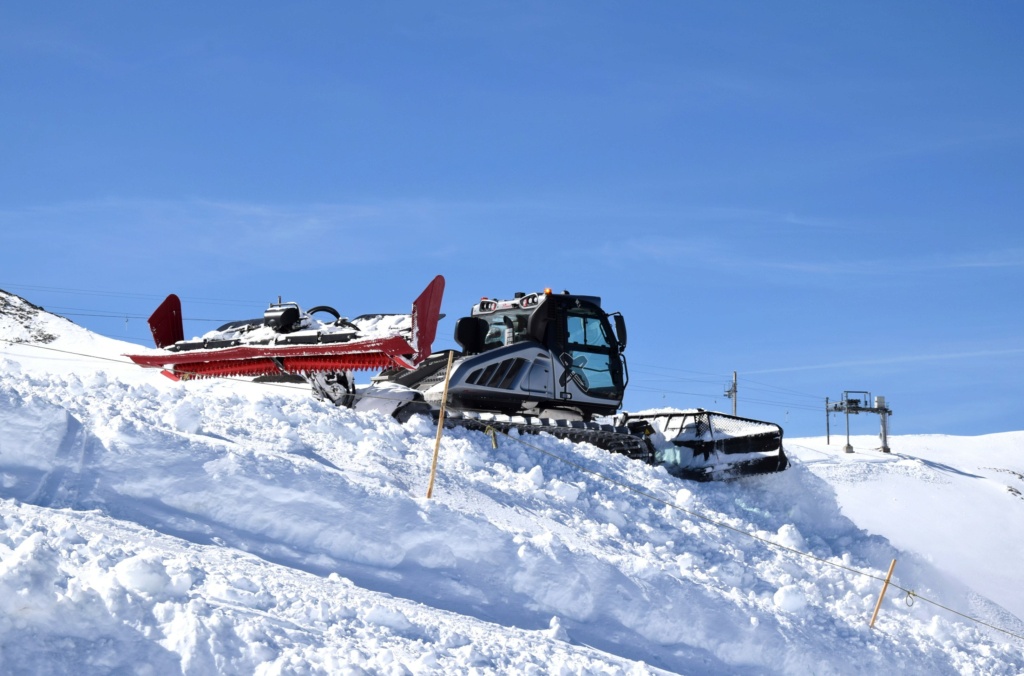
<point x="155" y="527"/>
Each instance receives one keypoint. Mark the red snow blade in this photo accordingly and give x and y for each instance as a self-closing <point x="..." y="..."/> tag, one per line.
<point x="259" y="359"/>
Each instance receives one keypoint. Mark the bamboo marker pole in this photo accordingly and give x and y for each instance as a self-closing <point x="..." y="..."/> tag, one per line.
<point x="878" y="606"/>
<point x="440" y="425"/>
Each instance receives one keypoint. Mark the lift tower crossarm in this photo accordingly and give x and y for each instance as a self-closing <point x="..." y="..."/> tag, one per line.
<point x="861" y="404"/>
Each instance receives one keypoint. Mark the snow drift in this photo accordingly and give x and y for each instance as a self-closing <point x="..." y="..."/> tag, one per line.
<point x="226" y="526"/>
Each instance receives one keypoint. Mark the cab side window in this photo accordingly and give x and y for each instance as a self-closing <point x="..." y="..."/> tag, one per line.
<point x="585" y="330"/>
<point x="505" y="328"/>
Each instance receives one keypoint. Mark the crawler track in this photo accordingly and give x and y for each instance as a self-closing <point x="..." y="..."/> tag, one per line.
<point x="633" y="443"/>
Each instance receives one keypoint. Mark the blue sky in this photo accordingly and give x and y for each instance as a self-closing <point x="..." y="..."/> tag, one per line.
<point x="820" y="196"/>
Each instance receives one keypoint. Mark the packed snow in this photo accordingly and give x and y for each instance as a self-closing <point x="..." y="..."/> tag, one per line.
<point x="154" y="527"/>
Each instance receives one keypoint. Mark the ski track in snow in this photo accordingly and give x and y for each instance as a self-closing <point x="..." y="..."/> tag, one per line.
<point x="224" y="527"/>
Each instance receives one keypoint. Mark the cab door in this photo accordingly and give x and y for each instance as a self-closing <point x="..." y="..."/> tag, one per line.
<point x="589" y="356"/>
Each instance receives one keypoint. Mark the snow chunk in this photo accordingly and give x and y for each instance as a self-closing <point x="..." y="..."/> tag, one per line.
<point x="28" y="576"/>
<point x="789" y="536"/>
<point x="790" y="599"/>
<point x="535" y="477"/>
<point x="143" y="574"/>
<point x="564" y="491"/>
<point x="689" y="561"/>
<point x="684" y="497"/>
<point x="556" y="631"/>
<point x="185" y="417"/>
<point x="386" y="617"/>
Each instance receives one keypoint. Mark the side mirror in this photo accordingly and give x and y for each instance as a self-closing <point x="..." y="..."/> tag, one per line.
<point x="620" y="330"/>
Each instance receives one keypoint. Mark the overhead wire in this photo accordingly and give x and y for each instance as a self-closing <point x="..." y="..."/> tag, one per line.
<point x="747" y="380"/>
<point x="781" y="404"/>
<point x="659" y="369"/>
<point x="673" y="377"/>
<point x="84" y="312"/>
<point x="659" y="390"/>
<point x="769" y="402"/>
<point x="662" y="367"/>
<point x="720" y="378"/>
<point x="120" y="294"/>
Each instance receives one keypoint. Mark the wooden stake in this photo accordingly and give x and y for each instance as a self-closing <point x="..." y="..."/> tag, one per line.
<point x="878" y="606"/>
<point x="440" y="426"/>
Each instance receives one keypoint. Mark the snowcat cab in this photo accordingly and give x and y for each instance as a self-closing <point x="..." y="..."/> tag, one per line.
<point x="543" y="353"/>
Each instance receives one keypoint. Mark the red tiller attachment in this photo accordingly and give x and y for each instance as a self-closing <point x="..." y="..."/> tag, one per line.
<point x="260" y="359"/>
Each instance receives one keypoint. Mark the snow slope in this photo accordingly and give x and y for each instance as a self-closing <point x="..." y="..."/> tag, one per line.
<point x="218" y="526"/>
<point x="956" y="501"/>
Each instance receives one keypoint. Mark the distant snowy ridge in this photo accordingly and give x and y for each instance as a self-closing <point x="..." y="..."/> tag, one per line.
<point x="222" y="526"/>
<point x="23" y="322"/>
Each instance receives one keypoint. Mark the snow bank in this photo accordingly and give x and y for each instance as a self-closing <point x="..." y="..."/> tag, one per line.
<point x="955" y="501"/>
<point x="232" y="527"/>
